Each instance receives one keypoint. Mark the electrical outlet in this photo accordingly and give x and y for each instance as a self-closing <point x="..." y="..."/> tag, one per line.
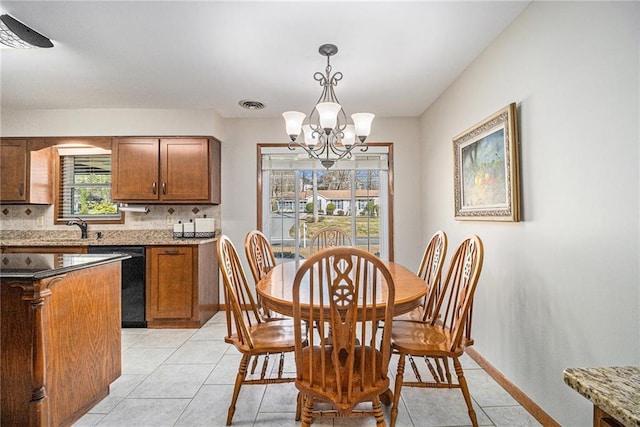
<point x="169" y="219"/>
<point x="40" y="221"/>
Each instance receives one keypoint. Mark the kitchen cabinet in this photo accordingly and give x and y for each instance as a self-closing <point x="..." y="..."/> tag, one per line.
<point x="25" y="173"/>
<point x="166" y="170"/>
<point x="182" y="285"/>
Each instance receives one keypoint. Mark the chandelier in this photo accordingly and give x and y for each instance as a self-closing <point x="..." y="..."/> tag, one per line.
<point x="328" y="137"/>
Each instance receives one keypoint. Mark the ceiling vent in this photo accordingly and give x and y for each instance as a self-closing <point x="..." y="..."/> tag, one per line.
<point x="251" y="105"/>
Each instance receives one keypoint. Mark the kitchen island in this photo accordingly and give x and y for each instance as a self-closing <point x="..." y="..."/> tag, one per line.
<point x="59" y="333"/>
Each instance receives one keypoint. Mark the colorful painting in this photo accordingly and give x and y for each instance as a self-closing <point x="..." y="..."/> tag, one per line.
<point x="486" y="169"/>
<point x="483" y="172"/>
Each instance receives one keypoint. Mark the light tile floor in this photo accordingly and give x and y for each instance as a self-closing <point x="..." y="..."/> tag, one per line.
<point x="179" y="377"/>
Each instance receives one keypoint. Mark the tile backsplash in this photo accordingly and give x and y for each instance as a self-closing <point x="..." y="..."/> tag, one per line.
<point x="40" y="217"/>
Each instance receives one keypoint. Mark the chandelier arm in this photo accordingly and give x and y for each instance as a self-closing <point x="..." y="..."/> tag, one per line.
<point x="320" y="78"/>
<point x="335" y="78"/>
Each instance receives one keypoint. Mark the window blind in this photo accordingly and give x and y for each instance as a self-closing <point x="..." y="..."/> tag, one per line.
<point x="85" y="188"/>
<point x="281" y="158"/>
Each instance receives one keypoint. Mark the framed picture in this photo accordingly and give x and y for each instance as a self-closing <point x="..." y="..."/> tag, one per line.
<point x="486" y="170"/>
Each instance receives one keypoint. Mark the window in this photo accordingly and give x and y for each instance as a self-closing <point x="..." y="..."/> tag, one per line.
<point x="354" y="195"/>
<point x="84" y="178"/>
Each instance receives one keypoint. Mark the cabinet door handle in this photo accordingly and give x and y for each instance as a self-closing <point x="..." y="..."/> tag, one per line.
<point x="171" y="251"/>
<point x="21" y="189"/>
<point x="154" y="187"/>
<point x="164" y="188"/>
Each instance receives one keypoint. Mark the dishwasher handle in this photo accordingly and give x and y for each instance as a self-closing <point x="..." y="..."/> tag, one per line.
<point x="132" y="251"/>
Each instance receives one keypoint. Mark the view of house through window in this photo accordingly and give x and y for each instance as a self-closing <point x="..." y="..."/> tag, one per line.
<point x="85" y="186"/>
<point x="299" y="199"/>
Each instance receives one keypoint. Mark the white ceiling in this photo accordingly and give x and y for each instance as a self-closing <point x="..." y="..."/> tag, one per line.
<point x="397" y="57"/>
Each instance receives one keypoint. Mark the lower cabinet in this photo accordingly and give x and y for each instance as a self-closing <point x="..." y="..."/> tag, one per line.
<point x="182" y="285"/>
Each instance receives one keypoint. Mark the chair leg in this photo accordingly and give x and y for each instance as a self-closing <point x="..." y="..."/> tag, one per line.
<point x="397" y="388"/>
<point x="377" y="412"/>
<point x="307" y="411"/>
<point x="242" y="373"/>
<point x="465" y="391"/>
<point x="299" y="406"/>
<point x="254" y="364"/>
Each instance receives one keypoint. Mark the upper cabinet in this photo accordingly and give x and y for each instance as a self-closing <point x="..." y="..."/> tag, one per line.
<point x="166" y="170"/>
<point x="25" y="172"/>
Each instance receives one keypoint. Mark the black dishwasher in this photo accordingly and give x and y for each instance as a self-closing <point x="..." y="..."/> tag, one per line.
<point x="133" y="283"/>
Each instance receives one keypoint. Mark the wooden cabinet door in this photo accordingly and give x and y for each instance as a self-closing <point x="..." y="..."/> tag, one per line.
<point x="13" y="170"/>
<point x="135" y="169"/>
<point x="184" y="169"/>
<point x="170" y="282"/>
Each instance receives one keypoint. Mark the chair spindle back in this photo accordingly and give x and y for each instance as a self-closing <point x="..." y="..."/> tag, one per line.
<point x="454" y="304"/>
<point x="241" y="308"/>
<point x="329" y="237"/>
<point x="259" y="254"/>
<point x="430" y="270"/>
<point x="348" y="354"/>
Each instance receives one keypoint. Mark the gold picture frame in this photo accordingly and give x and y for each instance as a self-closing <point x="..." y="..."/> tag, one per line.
<point x="486" y="169"/>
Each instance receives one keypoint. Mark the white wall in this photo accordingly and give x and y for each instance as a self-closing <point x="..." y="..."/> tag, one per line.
<point x="560" y="289"/>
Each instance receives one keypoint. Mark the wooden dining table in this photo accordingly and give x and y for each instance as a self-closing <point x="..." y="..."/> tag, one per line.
<point x="276" y="293"/>
<point x="276" y="289"/>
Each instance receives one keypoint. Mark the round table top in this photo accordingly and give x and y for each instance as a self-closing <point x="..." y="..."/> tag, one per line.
<point x="276" y="289"/>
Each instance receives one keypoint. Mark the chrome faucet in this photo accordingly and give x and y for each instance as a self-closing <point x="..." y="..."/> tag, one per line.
<point x="82" y="224"/>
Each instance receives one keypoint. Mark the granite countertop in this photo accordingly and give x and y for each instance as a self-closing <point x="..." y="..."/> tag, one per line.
<point x="615" y="390"/>
<point x="31" y="267"/>
<point x="109" y="238"/>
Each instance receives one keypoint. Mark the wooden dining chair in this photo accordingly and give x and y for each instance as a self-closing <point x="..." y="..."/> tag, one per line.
<point x="329" y="237"/>
<point x="430" y="270"/>
<point x="347" y="357"/>
<point x="246" y="330"/>
<point x="261" y="260"/>
<point x="259" y="254"/>
<point x="442" y="338"/>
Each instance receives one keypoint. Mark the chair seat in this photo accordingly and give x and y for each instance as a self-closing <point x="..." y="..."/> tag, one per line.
<point x="422" y="338"/>
<point x="268" y="337"/>
<point x="369" y="385"/>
